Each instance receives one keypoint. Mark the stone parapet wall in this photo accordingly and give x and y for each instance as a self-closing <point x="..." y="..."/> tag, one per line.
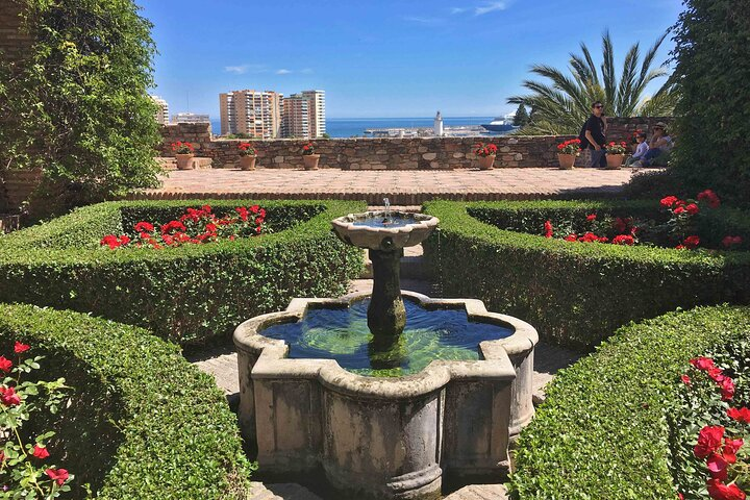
<point x="622" y="129"/>
<point x="388" y="154"/>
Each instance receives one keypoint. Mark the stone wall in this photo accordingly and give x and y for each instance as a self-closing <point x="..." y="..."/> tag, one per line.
<point x="388" y="154"/>
<point x="13" y="43"/>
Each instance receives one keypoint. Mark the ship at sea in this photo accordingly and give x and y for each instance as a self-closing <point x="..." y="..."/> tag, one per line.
<point x="504" y="124"/>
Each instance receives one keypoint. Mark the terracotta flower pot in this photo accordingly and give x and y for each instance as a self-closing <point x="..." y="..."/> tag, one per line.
<point x="486" y="162"/>
<point x="185" y="162"/>
<point x="614" y="162"/>
<point x="247" y="162"/>
<point x="566" y="161"/>
<point x="311" y="161"/>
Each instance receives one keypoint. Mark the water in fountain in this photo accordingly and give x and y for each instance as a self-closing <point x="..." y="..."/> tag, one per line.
<point x="342" y="334"/>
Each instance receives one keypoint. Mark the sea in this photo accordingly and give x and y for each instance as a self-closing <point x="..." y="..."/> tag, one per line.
<point x="355" y="127"/>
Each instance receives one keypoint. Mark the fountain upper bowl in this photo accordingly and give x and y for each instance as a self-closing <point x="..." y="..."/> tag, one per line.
<point x="371" y="230"/>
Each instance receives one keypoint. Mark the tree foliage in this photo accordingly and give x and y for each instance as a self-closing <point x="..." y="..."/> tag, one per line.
<point x="521" y="118"/>
<point x="77" y="103"/>
<point x="713" y="69"/>
<point x="562" y="104"/>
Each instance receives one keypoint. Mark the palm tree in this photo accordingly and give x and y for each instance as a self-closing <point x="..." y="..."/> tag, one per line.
<point x="563" y="104"/>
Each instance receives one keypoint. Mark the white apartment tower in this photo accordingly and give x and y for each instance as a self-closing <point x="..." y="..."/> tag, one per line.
<point x="162" y="114"/>
<point x="252" y="112"/>
<point x="317" y="112"/>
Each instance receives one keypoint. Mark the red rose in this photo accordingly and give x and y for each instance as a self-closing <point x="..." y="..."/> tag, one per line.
<point x="40" y="452"/>
<point x="739" y="414"/>
<point x="727" y="389"/>
<point x="669" y="201"/>
<point x="591" y="217"/>
<point x="20" y="348"/>
<point x="623" y="239"/>
<point x="111" y="241"/>
<point x="144" y="227"/>
<point x="5" y="364"/>
<point x="709" y="441"/>
<point x="731" y="241"/>
<point x="717" y="466"/>
<point x="702" y="363"/>
<point x="124" y="240"/>
<point x="571" y="237"/>
<point x="710" y="197"/>
<point x="691" y="241"/>
<point x="720" y="491"/>
<point x="692" y="209"/>
<point x="548" y="230"/>
<point x="679" y="210"/>
<point x="685" y="379"/>
<point x="58" y="475"/>
<point x="9" y="397"/>
<point x="731" y="447"/>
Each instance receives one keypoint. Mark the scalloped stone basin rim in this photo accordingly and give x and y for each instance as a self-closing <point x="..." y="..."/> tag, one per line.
<point x="374" y="238"/>
<point x="385" y="438"/>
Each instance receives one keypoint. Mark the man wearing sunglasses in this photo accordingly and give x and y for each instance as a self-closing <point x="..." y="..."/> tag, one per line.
<point x="592" y="135"/>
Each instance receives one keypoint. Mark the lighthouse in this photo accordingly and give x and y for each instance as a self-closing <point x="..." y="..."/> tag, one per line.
<point x="438" y="125"/>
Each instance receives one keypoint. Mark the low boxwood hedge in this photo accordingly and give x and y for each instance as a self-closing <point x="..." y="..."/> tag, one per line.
<point x="602" y="431"/>
<point x="144" y="423"/>
<point x="577" y="294"/>
<point x="184" y="294"/>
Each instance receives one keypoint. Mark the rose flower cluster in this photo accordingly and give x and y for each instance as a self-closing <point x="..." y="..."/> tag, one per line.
<point x="196" y="226"/>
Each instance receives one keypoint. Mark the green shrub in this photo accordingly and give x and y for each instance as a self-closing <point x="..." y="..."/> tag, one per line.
<point x="712" y="70"/>
<point x="144" y="423"/>
<point x="602" y="431"/>
<point x="577" y="294"/>
<point x="184" y="294"/>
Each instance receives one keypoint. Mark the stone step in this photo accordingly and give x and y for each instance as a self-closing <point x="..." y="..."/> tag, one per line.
<point x="480" y="492"/>
<point x="285" y="491"/>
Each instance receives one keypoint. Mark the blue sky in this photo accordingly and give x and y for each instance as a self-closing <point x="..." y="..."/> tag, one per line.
<point x="384" y="58"/>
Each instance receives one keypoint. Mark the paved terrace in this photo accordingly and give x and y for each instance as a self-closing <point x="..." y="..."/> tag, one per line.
<point x="403" y="187"/>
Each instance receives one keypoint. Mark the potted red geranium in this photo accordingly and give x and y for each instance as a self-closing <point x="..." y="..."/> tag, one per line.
<point x="486" y="155"/>
<point x="310" y="158"/>
<point x="247" y="156"/>
<point x="184" y="153"/>
<point x="616" y="155"/>
<point x="567" y="152"/>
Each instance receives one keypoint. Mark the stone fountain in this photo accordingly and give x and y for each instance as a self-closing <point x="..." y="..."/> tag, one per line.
<point x="385" y="395"/>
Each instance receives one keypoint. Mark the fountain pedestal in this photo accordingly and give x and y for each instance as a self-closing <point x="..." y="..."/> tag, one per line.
<point x="386" y="315"/>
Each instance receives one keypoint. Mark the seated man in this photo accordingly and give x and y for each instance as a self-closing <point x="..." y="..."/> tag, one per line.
<point x="661" y="144"/>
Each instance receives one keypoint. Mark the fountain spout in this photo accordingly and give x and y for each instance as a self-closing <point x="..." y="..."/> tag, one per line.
<point x="387" y="211"/>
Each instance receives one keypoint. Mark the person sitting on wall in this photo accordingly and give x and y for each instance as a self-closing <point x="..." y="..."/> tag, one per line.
<point x="659" y="147"/>
<point x="640" y="150"/>
<point x="593" y="137"/>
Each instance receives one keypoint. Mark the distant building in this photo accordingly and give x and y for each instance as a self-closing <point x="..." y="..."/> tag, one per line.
<point x="317" y="110"/>
<point x="190" y="118"/>
<point x="252" y="112"/>
<point x="295" y="121"/>
<point x="438" y="126"/>
<point x="162" y="115"/>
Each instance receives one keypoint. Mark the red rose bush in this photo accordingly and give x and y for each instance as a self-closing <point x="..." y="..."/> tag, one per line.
<point x="196" y="226"/>
<point x="27" y="465"/>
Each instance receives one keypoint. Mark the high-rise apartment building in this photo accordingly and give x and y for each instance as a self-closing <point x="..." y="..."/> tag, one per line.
<point x="251" y="112"/>
<point x="317" y="112"/>
<point x="162" y="114"/>
<point x="296" y="117"/>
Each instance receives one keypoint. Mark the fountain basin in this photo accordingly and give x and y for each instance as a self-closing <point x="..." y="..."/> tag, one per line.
<point x="385" y="438"/>
<point x="367" y="230"/>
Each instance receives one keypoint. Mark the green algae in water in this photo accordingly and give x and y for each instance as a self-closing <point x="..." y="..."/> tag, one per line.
<point x="342" y="334"/>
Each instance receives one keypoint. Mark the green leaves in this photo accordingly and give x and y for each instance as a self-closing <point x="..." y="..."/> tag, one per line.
<point x="562" y="104"/>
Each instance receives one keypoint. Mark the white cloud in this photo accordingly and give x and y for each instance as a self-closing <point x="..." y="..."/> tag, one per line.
<point x="458" y="10"/>
<point x="283" y="72"/>
<point x="427" y="21"/>
<point x="490" y="7"/>
<point x="245" y="68"/>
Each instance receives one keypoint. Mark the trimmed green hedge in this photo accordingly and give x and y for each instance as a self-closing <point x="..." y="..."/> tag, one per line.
<point x="144" y="423"/>
<point x="184" y="294"/>
<point x="602" y="431"/>
<point x="577" y="294"/>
